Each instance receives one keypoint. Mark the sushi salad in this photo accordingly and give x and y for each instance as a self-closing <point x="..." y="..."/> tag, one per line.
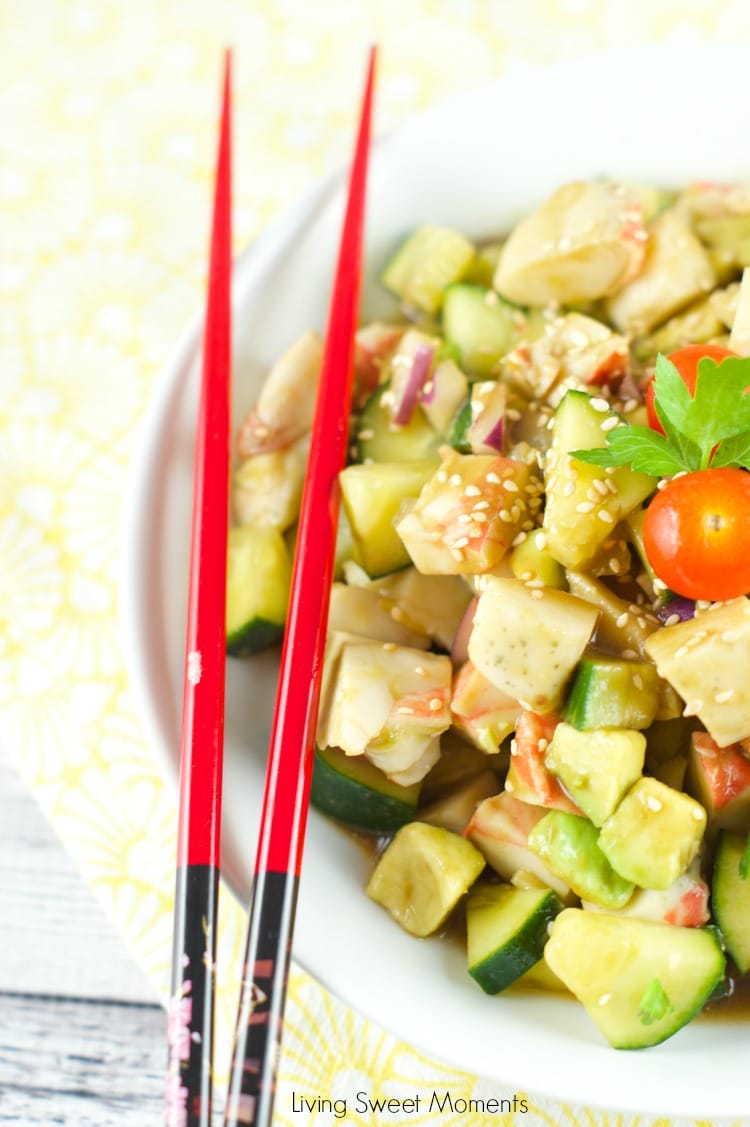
<point x="536" y="694"/>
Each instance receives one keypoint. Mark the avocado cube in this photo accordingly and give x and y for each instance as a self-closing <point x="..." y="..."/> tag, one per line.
<point x="653" y="834"/>
<point x="568" y="845"/>
<point x="596" y="768"/>
<point x="423" y="874"/>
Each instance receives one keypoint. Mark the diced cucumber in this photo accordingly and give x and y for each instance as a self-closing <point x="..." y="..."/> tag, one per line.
<point x="730" y="896"/>
<point x="585" y="502"/>
<point x="621" y="625"/>
<point x="351" y="790"/>
<point x="529" y="561"/>
<point x="423" y="874"/>
<point x="482" y="324"/>
<point x="506" y="930"/>
<point x="569" y="845"/>
<point x="653" y="834"/>
<point x="458" y="433"/>
<point x="430" y="259"/>
<point x="611" y="964"/>
<point x="372" y="496"/>
<point x="596" y="768"/>
<point x="379" y="439"/>
<point x="609" y="692"/>
<point x="259" y="574"/>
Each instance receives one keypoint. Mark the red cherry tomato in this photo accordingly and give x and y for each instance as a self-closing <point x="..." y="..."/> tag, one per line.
<point x="685" y="361"/>
<point x="697" y="534"/>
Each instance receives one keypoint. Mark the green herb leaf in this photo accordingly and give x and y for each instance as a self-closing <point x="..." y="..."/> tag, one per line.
<point x="644" y="449"/>
<point x="709" y="428"/>
<point x="655" y="1004"/>
<point x="672" y="398"/>
<point x="734" y="451"/>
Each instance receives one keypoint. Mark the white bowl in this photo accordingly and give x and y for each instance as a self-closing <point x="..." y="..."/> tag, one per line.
<point x="477" y="162"/>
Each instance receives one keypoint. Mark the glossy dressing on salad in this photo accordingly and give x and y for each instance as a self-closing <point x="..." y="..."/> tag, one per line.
<point x="535" y="697"/>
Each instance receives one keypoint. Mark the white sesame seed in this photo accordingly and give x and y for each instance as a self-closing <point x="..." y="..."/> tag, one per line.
<point x="672" y="620"/>
<point x="723" y="697"/>
<point x="621" y="620"/>
<point x="510" y="485"/>
<point x="473" y="491"/>
<point x="693" y="707"/>
<point x="569" y="489"/>
<point x="462" y="542"/>
<point x="606" y="516"/>
<point x="464" y="518"/>
<point x="492" y="478"/>
<point x="454" y="479"/>
<point x="600" y="405"/>
<point x="638" y="681"/>
<point x="436" y="704"/>
<point x="585" y="507"/>
<point x="541" y="541"/>
<point x="519" y="539"/>
<point x="653" y="803"/>
<point x="609" y="424"/>
<point x="537" y="594"/>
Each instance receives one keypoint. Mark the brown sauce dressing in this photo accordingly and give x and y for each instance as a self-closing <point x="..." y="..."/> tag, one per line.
<point x="732" y="1005"/>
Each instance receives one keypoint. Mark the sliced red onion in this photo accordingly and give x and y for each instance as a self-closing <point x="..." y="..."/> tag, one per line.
<point x="683" y="608"/>
<point x="443" y="393"/>
<point x="421" y="363"/>
<point x="487" y="432"/>
<point x="460" y="647"/>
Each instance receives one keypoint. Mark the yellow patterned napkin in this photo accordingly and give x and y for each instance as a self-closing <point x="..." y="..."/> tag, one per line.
<point x="107" y="114"/>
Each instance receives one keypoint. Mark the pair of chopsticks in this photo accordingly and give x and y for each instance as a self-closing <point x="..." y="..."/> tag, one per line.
<point x="289" y="770"/>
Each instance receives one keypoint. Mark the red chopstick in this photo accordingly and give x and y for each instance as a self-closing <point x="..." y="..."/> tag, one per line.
<point x="285" y="801"/>
<point x="191" y="1008"/>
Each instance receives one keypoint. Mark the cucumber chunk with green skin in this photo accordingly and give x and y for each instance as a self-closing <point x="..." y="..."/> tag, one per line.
<point x="458" y="434"/>
<point x="610" y="692"/>
<point x="596" y="768"/>
<point x="506" y="930"/>
<point x="372" y="496"/>
<point x="259" y="574"/>
<point x="584" y="502"/>
<point x="611" y="964"/>
<point x="379" y="439"/>
<point x="353" y="791"/>
<point x="730" y="896"/>
<point x="482" y="324"/>
<point x="430" y="259"/>
<point x="423" y="874"/>
<point x="568" y="845"/>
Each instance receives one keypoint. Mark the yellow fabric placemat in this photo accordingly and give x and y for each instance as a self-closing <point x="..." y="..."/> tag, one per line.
<point x="106" y="158"/>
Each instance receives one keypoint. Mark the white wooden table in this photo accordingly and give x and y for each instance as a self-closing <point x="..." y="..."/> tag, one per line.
<point x="81" y="1033"/>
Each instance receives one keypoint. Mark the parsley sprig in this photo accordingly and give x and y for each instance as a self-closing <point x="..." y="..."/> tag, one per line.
<point x="709" y="428"/>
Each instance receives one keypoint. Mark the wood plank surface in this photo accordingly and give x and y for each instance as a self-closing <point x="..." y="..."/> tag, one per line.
<point x="82" y="1039"/>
